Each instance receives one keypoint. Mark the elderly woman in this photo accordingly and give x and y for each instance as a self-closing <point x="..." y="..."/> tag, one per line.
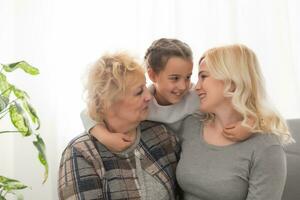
<point x="118" y="97"/>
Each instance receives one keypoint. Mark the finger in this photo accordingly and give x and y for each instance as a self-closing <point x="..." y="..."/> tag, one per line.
<point x="227" y="135"/>
<point x="231" y="126"/>
<point x="230" y="136"/>
<point x="126" y="140"/>
<point x="227" y="131"/>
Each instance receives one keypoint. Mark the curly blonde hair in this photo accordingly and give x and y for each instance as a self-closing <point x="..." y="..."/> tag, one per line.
<point x="238" y="67"/>
<point x="109" y="78"/>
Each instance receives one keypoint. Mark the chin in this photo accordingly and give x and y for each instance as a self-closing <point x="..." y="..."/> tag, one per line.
<point x="144" y="116"/>
<point x="204" y="110"/>
<point x="174" y="101"/>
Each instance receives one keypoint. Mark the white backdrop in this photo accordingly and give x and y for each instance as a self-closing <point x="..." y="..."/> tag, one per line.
<point x="61" y="37"/>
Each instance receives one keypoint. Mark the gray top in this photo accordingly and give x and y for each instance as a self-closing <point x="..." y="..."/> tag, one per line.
<point x="173" y="113"/>
<point x="254" y="169"/>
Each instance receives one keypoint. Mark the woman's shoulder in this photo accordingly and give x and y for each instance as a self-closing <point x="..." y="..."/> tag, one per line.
<point x="81" y="144"/>
<point x="153" y="128"/>
<point x="193" y="120"/>
<point x="265" y="139"/>
<point x="79" y="140"/>
<point x="261" y="142"/>
<point x="155" y="132"/>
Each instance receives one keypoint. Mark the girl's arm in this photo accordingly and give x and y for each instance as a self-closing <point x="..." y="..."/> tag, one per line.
<point x="115" y="142"/>
<point x="88" y="123"/>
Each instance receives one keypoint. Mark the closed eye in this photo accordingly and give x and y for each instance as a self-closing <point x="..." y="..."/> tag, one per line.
<point x="202" y="75"/>
<point x="140" y="92"/>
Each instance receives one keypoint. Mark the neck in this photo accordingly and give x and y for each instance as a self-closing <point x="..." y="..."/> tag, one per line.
<point x="226" y="116"/>
<point x="115" y="125"/>
<point x="160" y="99"/>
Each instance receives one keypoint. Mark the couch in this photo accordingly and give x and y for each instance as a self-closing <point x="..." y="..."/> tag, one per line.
<point x="292" y="187"/>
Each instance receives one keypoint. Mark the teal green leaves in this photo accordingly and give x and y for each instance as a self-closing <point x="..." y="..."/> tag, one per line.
<point x="8" y="185"/>
<point x="22" y="65"/>
<point x="40" y="146"/>
<point x="14" y="102"/>
<point x="19" y="120"/>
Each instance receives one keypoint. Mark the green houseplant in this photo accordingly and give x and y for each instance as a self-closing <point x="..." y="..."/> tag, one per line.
<point x="14" y="103"/>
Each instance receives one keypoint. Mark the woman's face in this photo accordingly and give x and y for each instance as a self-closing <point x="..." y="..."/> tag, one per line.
<point x="133" y="106"/>
<point x="172" y="83"/>
<point x="210" y="90"/>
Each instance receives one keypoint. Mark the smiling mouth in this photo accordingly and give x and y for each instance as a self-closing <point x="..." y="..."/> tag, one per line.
<point x="178" y="94"/>
<point x="202" y="96"/>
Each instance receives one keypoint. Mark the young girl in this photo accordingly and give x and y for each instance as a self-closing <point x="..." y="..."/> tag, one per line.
<point x="169" y="65"/>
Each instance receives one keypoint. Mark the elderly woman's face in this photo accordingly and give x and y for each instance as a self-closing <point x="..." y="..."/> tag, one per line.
<point x="133" y="107"/>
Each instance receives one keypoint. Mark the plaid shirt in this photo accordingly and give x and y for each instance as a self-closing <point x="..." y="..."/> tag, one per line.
<point x="89" y="171"/>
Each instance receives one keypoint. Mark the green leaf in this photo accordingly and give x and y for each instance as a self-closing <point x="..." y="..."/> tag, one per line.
<point x="11" y="186"/>
<point x="23" y="65"/>
<point x="20" y="93"/>
<point x="40" y="145"/>
<point x="2" y="197"/>
<point x="4" y="179"/>
<point x="3" y="102"/>
<point x="18" y="120"/>
<point x="8" y="184"/>
<point x="4" y="86"/>
<point x="32" y="113"/>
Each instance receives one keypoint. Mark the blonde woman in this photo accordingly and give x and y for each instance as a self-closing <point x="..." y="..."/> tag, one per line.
<point x="117" y="96"/>
<point x="231" y="88"/>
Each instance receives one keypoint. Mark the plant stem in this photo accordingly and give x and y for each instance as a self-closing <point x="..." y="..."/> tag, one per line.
<point x="3" y="114"/>
<point x="11" y="132"/>
<point x="3" y="111"/>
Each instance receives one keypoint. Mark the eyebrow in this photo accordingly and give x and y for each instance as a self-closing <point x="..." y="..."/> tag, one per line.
<point x="174" y="75"/>
<point x="178" y="74"/>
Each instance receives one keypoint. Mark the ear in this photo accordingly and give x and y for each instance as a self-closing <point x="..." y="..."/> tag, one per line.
<point x="232" y="86"/>
<point x="152" y="75"/>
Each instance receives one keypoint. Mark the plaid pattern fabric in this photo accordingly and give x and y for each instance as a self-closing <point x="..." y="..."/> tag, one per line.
<point x="89" y="171"/>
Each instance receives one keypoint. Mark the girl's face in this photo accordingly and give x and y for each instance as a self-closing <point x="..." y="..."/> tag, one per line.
<point x="172" y="83"/>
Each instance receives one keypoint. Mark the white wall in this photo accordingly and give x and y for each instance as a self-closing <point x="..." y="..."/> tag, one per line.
<point x="61" y="37"/>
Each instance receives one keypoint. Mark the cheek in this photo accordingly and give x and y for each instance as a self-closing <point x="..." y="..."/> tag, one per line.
<point x="137" y="104"/>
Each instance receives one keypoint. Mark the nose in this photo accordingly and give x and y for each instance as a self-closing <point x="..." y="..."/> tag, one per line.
<point x="198" y="85"/>
<point x="148" y="95"/>
<point x="183" y="84"/>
